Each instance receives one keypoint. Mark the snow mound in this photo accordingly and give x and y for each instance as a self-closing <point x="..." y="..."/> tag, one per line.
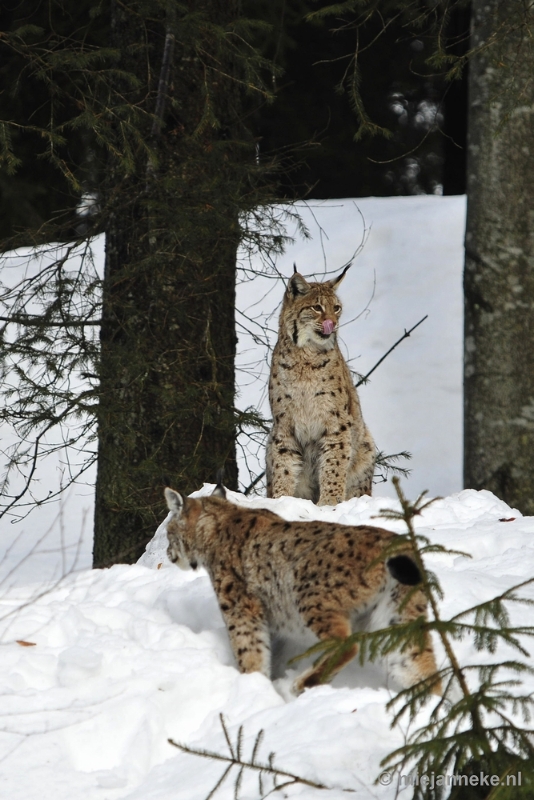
<point x="99" y="671"/>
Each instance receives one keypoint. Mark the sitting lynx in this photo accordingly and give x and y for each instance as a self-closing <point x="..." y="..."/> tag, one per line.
<point x="319" y="447"/>
<point x="273" y="576"/>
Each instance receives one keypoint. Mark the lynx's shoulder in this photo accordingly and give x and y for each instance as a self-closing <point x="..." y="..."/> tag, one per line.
<point x="319" y="447"/>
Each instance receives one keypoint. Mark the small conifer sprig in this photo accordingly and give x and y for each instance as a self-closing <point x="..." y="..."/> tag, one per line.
<point x="387" y="463"/>
<point x="482" y="726"/>
<point x="280" y="778"/>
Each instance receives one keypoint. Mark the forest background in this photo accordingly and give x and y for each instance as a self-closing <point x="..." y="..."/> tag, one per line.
<point x="176" y="128"/>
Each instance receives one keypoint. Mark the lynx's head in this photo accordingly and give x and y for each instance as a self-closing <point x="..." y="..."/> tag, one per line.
<point x="190" y="527"/>
<point x="310" y="312"/>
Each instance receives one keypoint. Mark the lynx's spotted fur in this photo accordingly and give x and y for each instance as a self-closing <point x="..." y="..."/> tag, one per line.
<point x="272" y="576"/>
<point x="319" y="447"/>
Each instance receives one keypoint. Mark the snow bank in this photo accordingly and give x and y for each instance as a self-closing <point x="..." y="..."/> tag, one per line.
<point x="119" y="660"/>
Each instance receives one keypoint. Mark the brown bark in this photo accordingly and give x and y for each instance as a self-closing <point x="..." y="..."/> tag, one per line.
<point x="499" y="265"/>
<point x="168" y="336"/>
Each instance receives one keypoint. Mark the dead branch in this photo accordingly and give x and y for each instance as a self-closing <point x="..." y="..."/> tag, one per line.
<point x="391" y="349"/>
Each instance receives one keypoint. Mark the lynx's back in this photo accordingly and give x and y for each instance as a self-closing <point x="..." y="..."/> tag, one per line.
<point x="319" y="447"/>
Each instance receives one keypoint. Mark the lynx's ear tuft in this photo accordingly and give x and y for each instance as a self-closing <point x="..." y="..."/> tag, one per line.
<point x="297" y="285"/>
<point x="175" y="501"/>
<point x="334" y="283"/>
<point x="219" y="491"/>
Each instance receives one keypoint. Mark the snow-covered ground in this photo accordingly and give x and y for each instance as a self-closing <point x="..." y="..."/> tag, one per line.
<point x="99" y="668"/>
<point x="99" y="671"/>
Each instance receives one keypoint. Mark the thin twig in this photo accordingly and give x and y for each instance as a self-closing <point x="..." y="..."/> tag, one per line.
<point x="235" y="760"/>
<point x="256" y="480"/>
<point x="163" y="84"/>
<point x="391" y="349"/>
<point x="258" y="767"/>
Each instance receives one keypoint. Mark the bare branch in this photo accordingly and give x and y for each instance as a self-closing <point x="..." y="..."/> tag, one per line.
<point x="391" y="349"/>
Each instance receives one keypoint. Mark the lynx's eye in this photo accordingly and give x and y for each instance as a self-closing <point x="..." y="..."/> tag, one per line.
<point x="337" y="309"/>
<point x="318" y="308"/>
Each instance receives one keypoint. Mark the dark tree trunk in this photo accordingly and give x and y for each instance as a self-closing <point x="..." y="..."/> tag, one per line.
<point x="455" y="107"/>
<point x="499" y="267"/>
<point x="168" y="336"/>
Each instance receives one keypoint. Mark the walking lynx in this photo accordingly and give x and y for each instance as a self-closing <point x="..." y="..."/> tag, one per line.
<point x="319" y="447"/>
<point x="272" y="576"/>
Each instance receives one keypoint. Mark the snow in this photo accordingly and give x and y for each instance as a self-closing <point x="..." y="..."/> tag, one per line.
<point x="125" y="658"/>
<point x="100" y="668"/>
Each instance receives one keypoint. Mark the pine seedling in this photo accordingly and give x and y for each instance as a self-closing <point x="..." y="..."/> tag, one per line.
<point x="481" y="722"/>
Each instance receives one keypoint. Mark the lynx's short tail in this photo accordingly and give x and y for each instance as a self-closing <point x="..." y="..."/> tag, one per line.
<point x="404" y="569"/>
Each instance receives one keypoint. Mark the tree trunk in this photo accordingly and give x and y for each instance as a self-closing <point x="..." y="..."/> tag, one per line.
<point x="454" y="106"/>
<point x="168" y="335"/>
<point x="499" y="265"/>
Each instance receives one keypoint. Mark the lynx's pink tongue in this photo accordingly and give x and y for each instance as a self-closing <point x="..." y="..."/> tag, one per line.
<point x="328" y="326"/>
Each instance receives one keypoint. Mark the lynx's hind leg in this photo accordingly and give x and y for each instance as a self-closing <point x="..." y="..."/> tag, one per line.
<point x="326" y="625"/>
<point x="413" y="664"/>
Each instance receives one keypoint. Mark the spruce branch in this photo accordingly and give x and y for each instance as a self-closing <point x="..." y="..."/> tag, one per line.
<point x="476" y="731"/>
<point x="409" y="511"/>
<point x="388" y="463"/>
<point x="30" y="320"/>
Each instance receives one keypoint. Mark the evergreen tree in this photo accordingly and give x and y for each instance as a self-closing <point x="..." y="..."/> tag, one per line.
<point x="37" y="194"/>
<point x="312" y="124"/>
<point x="160" y="110"/>
<point x="168" y="332"/>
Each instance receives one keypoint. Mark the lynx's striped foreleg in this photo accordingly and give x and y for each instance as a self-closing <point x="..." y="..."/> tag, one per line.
<point x="283" y="465"/>
<point x="333" y="466"/>
<point x="246" y="623"/>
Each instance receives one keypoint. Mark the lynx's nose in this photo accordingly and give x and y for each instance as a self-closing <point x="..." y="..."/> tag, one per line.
<point x="328" y="326"/>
